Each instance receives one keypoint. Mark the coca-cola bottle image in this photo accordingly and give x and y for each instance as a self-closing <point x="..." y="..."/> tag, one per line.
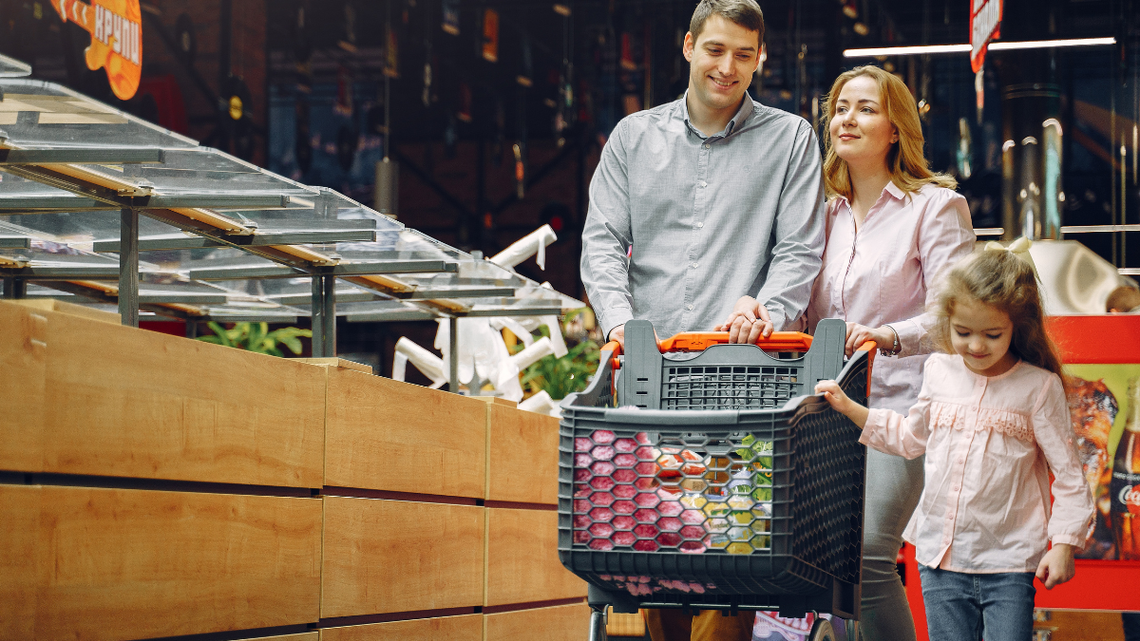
<point x="1125" y="487"/>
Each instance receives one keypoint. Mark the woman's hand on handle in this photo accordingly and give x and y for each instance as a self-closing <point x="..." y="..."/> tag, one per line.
<point x="1057" y="566"/>
<point x="842" y="404"/>
<point x="858" y="334"/>
<point x="748" y="321"/>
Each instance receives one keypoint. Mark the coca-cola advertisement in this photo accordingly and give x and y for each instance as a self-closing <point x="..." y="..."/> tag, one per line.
<point x="1104" y="401"/>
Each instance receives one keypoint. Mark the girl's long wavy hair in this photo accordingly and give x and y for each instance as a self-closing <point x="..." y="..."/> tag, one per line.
<point x="1001" y="280"/>
<point x="908" y="166"/>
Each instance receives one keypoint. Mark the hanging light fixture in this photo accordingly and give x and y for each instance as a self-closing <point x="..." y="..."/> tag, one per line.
<point x="872" y="52"/>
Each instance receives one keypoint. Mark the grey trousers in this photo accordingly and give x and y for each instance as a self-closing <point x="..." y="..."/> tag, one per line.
<point x="894" y="486"/>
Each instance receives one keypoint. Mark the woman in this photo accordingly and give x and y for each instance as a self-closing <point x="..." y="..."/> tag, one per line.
<point x="892" y="226"/>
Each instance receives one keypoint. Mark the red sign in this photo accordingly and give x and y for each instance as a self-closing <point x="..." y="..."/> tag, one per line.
<point x="985" y="25"/>
<point x="116" y="39"/>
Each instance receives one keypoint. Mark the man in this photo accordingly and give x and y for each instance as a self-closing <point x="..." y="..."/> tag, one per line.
<point x="718" y="195"/>
<point x="698" y="202"/>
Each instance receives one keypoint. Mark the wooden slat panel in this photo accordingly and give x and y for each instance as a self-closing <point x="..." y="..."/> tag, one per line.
<point x="522" y="559"/>
<point x="129" y="564"/>
<point x="23" y="352"/>
<point x="121" y="401"/>
<point x="21" y="565"/>
<point x="522" y="456"/>
<point x="560" y="623"/>
<point x="384" y="556"/>
<point x="387" y="435"/>
<point x="468" y="627"/>
<point x="315" y="635"/>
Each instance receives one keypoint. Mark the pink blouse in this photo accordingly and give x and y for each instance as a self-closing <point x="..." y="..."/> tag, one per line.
<point x="990" y="443"/>
<point x="886" y="274"/>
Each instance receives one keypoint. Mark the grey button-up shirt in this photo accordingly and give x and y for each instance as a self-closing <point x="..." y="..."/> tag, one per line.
<point x="709" y="218"/>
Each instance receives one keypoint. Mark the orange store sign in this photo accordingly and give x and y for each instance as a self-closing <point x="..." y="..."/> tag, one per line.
<point x="116" y="39"/>
<point x="985" y="25"/>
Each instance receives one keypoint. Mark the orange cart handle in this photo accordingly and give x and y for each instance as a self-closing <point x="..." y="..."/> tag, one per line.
<point x="871" y="348"/>
<point x="699" y="341"/>
<point x="614" y="348"/>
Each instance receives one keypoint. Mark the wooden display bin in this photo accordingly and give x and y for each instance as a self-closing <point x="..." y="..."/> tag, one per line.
<point x="99" y="563"/>
<point x="171" y="496"/>
<point x="558" y="623"/>
<point x="94" y="398"/>
<point x="383" y="556"/>
<point x="522" y="559"/>
<point x="466" y="627"/>
<point x="397" y="437"/>
<point x="522" y="455"/>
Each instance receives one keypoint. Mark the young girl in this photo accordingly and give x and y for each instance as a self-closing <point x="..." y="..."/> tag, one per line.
<point x="993" y="422"/>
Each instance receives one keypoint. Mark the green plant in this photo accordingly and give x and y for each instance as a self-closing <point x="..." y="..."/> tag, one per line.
<point x="562" y="376"/>
<point x="256" y="337"/>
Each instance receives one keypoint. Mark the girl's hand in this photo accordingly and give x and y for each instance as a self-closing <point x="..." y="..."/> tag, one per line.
<point x="1057" y="566"/>
<point x="842" y="404"/>
<point x="858" y="334"/>
<point x="747" y="322"/>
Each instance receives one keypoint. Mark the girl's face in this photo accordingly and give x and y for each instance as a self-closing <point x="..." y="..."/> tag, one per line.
<point x="981" y="334"/>
<point x="861" y="131"/>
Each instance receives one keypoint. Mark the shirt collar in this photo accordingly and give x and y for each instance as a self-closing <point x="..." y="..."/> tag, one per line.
<point x="735" y="124"/>
<point x="891" y="188"/>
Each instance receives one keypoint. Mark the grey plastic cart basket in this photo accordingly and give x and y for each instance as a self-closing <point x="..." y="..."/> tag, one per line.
<point x="802" y="465"/>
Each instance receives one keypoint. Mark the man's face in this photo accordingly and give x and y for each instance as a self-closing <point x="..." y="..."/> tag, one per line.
<point x="721" y="63"/>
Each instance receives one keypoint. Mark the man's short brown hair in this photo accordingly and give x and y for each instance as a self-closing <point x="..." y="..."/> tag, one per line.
<point x="745" y="13"/>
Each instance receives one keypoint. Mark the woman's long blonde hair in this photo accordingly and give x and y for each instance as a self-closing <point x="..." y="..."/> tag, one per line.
<point x="908" y="166"/>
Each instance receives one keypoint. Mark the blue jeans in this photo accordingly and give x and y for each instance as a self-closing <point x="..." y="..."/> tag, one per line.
<point x="966" y="607"/>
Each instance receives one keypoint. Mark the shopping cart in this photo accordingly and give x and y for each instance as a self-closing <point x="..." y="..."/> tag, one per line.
<point x="712" y="477"/>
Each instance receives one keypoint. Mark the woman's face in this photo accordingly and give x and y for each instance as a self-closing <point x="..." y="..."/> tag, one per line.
<point x="861" y="132"/>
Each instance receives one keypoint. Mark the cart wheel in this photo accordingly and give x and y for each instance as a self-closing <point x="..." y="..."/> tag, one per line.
<point x="853" y="631"/>
<point x="822" y="631"/>
<point x="598" y="622"/>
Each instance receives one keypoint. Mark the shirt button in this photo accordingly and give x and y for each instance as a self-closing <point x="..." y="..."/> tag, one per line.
<point x="700" y="225"/>
<point x="705" y="146"/>
<point x="689" y="307"/>
<point x="704" y="184"/>
<point x="696" y="265"/>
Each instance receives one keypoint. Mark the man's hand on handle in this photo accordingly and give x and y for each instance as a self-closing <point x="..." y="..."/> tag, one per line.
<point x="748" y="321"/>
<point x="618" y="334"/>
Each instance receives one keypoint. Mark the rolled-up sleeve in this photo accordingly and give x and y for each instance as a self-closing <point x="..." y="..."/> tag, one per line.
<point x="945" y="237"/>
<point x="606" y="237"/>
<point x="798" y="234"/>
<point x="1073" y="508"/>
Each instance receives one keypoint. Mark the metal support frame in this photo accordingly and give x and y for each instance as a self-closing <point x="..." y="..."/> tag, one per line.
<point x="129" y="268"/>
<point x="15" y="288"/>
<point x="80" y="156"/>
<point x="340" y="271"/>
<point x="453" y="355"/>
<point x="324" y="316"/>
<point x="183" y="241"/>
